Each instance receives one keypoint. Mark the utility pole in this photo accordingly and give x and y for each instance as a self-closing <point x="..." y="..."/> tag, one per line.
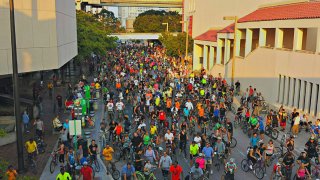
<point x="16" y="89"/>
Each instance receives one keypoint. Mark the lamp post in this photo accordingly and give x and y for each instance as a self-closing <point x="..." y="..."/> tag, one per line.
<point x="167" y="26"/>
<point x="16" y="89"/>
<point x="187" y="40"/>
<point x="235" y="19"/>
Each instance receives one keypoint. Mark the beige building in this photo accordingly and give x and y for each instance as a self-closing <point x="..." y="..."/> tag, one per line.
<point x="277" y="51"/>
<point x="45" y="31"/>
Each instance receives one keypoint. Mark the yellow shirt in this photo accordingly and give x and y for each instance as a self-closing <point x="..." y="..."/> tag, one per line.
<point x="31" y="147"/>
<point x="12" y="175"/>
<point x="153" y="130"/>
<point x="97" y="86"/>
<point x="107" y="153"/>
<point x="194" y="149"/>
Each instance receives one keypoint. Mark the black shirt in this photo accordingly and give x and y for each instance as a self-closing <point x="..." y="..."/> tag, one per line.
<point x="304" y="160"/>
<point x="183" y="137"/>
<point x="93" y="149"/>
<point x="136" y="141"/>
<point x="288" y="161"/>
<point x="112" y="126"/>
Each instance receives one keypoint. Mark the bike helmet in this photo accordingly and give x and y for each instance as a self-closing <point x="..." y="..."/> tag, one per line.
<point x="232" y="160"/>
<point x="160" y="149"/>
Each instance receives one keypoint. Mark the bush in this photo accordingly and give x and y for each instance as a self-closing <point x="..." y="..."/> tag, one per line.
<point x="3" y="133"/>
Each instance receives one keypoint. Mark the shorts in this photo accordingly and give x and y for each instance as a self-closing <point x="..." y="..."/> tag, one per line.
<point x="253" y="126"/>
<point x="269" y="155"/>
<point x="261" y="132"/>
<point x="192" y="156"/>
<point x="39" y="133"/>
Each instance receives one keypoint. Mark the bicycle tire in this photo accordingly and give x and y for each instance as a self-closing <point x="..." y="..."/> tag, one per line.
<point x="52" y="166"/>
<point x="115" y="174"/>
<point x="233" y="143"/>
<point x="274" y="134"/>
<point x="259" y="173"/>
<point x="245" y="165"/>
<point x="97" y="166"/>
<point x="93" y="171"/>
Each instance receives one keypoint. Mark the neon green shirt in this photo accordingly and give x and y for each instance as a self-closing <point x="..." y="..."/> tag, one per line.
<point x="194" y="149"/>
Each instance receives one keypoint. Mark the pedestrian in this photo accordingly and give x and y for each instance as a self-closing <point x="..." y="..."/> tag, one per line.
<point x="63" y="175"/>
<point x="86" y="172"/>
<point x="176" y="171"/>
<point x="25" y="120"/>
<point x="295" y="127"/>
<point x="107" y="154"/>
<point x="59" y="102"/>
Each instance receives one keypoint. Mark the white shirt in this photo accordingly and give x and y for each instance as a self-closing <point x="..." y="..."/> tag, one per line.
<point x="119" y="106"/>
<point x="169" y="136"/>
<point x="142" y="125"/>
<point x="296" y="120"/>
<point x="197" y="140"/>
<point x="136" y="82"/>
<point x="110" y="106"/>
<point x="189" y="105"/>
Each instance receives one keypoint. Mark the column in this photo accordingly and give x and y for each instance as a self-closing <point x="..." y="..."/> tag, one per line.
<point x="280" y="88"/>
<point x="296" y="93"/>
<point x="283" y="89"/>
<point x="248" y="41"/>
<point x="219" y="53"/>
<point x="279" y="38"/>
<point x="286" y="91"/>
<point x="297" y="39"/>
<point x="205" y="56"/>
<point x="313" y="100"/>
<point x="307" y="98"/>
<point x="302" y="93"/>
<point x="291" y="89"/>
<point x="196" y="56"/>
<point x="318" y="41"/>
<point x="211" y="57"/>
<point x="238" y="40"/>
<point x="227" y="46"/>
<point x="262" y="37"/>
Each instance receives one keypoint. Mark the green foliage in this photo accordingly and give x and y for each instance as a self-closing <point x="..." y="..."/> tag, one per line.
<point x="4" y="167"/>
<point x="151" y="21"/>
<point x="3" y="133"/>
<point x="175" y="44"/>
<point x="92" y="36"/>
<point x="112" y="24"/>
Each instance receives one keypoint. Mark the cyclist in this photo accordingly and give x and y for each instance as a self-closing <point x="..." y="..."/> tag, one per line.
<point x="277" y="170"/>
<point x="290" y="143"/>
<point x="208" y="155"/>
<point x="112" y="126"/>
<point x="86" y="172"/>
<point x="183" y="138"/>
<point x="176" y="171"/>
<point x="165" y="163"/>
<point x="254" y="123"/>
<point x="118" y="130"/>
<point x="120" y="107"/>
<point x="302" y="171"/>
<point x="150" y="154"/>
<point x="93" y="149"/>
<point x="147" y="169"/>
<point x="63" y="175"/>
<point x="201" y="161"/>
<point x="304" y="160"/>
<point x="252" y="156"/>
<point x="128" y="171"/>
<point x="138" y="160"/>
<point x="229" y="128"/>
<point x="169" y="137"/>
<point x="220" y="147"/>
<point x="254" y="140"/>
<point x="288" y="162"/>
<point x="196" y="172"/>
<point x="107" y="154"/>
<point x="32" y="148"/>
<point x="230" y="169"/>
<point x="71" y="160"/>
<point x="110" y="107"/>
<point x="153" y="130"/>
<point x="312" y="148"/>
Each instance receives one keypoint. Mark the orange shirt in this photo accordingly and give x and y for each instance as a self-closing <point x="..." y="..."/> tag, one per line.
<point x="177" y="105"/>
<point x="169" y="103"/>
<point x="149" y="96"/>
<point x="11" y="175"/>
<point x="201" y="112"/>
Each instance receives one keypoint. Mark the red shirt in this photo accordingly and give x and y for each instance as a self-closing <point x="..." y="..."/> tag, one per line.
<point x="86" y="173"/>
<point x="175" y="171"/>
<point x="162" y="116"/>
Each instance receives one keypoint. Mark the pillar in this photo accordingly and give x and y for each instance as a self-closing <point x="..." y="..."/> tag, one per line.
<point x="313" y="100"/>
<point x="238" y="40"/>
<point x="219" y="53"/>
<point x="286" y="91"/>
<point x="283" y="89"/>
<point x="318" y="41"/>
<point x="248" y="41"/>
<point x="291" y="89"/>
<point x="205" y="56"/>
<point x="302" y="93"/>
<point x="211" y="57"/>
<point x="307" y="97"/>
<point x="262" y="37"/>
<point x="279" y="38"/>
<point x="296" y="93"/>
<point x="227" y="46"/>
<point x="280" y="88"/>
<point x="196" y="56"/>
<point x="297" y="39"/>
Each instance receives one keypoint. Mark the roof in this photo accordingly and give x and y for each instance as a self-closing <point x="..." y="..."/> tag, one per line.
<point x="304" y="10"/>
<point x="228" y="29"/>
<point x="210" y="35"/>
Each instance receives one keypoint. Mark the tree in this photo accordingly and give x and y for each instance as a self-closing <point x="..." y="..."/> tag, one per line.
<point x="151" y="21"/>
<point x="175" y="44"/>
<point x="92" y="36"/>
<point x="112" y="24"/>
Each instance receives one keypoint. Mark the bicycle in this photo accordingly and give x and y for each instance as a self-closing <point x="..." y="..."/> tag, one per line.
<point x="115" y="173"/>
<point x="272" y="132"/>
<point x="257" y="171"/>
<point x="32" y="164"/>
<point x="219" y="160"/>
<point x="144" y="176"/>
<point x="315" y="171"/>
<point x="94" y="163"/>
<point x="54" y="161"/>
<point x="237" y="121"/>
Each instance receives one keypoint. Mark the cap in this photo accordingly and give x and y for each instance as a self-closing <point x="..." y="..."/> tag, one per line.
<point x="312" y="137"/>
<point x="219" y="138"/>
<point x="85" y="163"/>
<point x="200" y="154"/>
<point x="232" y="160"/>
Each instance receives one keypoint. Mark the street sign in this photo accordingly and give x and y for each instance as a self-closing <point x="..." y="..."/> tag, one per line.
<point x="75" y="127"/>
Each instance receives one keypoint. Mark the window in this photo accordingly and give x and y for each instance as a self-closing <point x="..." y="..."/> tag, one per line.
<point x="310" y="97"/>
<point x="294" y="91"/>
<point x="317" y="101"/>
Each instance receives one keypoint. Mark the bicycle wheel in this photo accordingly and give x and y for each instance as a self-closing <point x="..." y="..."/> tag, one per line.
<point x="258" y="172"/>
<point x="93" y="171"/>
<point x="115" y="174"/>
<point x="97" y="166"/>
<point x="233" y="142"/>
<point x="274" y="134"/>
<point x="218" y="166"/>
<point x="52" y="166"/>
<point x="245" y="165"/>
<point x="152" y="177"/>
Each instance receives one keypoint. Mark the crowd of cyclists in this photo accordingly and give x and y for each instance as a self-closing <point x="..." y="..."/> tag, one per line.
<point x="177" y="113"/>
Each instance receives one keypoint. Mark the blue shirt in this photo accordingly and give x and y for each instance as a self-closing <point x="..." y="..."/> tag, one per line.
<point x="207" y="151"/>
<point x="127" y="171"/>
<point x="66" y="125"/>
<point x="25" y="118"/>
<point x="216" y="112"/>
<point x="261" y="125"/>
<point x="254" y="141"/>
<point x="186" y="111"/>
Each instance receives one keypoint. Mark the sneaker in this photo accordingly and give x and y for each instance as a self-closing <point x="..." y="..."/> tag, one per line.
<point x="211" y="172"/>
<point x="250" y="166"/>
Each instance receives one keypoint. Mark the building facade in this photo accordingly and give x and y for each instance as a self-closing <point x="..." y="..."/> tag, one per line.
<point x="46" y="34"/>
<point x="277" y="52"/>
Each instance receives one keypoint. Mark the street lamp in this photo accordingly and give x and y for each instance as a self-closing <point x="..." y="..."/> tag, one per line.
<point x="167" y="26"/>
<point x="16" y="97"/>
<point x="235" y="19"/>
<point x="187" y="39"/>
